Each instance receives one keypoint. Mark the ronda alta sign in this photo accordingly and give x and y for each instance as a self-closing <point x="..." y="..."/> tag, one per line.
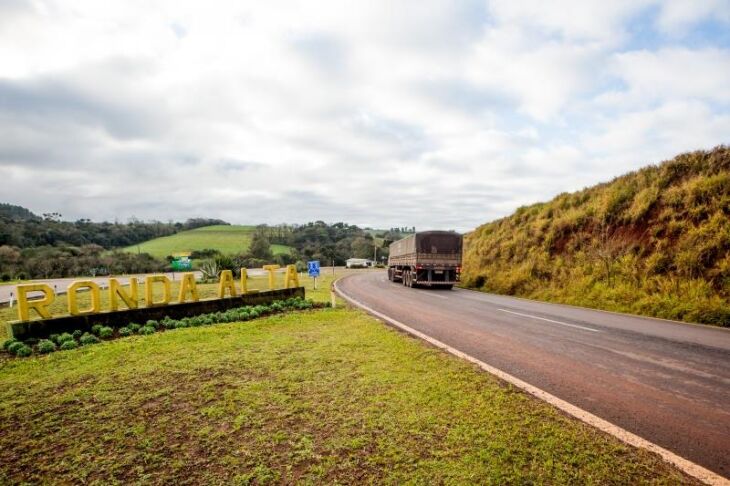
<point x="128" y="296"/>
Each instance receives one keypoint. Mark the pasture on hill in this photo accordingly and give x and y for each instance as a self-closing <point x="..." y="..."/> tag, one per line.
<point x="328" y="396"/>
<point x="228" y="239"/>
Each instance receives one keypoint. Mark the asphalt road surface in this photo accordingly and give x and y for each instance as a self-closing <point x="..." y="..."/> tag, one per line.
<point x="667" y="382"/>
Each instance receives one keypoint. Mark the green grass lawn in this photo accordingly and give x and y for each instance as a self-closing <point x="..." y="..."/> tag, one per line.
<point x="329" y="396"/>
<point x="231" y="239"/>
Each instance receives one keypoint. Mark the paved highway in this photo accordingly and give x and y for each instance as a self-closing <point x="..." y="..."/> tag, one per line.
<point x="667" y="382"/>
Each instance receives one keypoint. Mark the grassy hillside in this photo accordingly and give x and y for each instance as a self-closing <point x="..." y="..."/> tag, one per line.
<point x="231" y="239"/>
<point x="653" y="242"/>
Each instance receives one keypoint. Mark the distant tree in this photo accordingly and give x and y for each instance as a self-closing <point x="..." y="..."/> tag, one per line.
<point x="362" y="247"/>
<point x="260" y="247"/>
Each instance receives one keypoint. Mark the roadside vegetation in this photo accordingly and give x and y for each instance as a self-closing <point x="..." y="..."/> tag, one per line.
<point x="205" y="291"/>
<point x="327" y="396"/>
<point x="654" y="242"/>
<point x="72" y="340"/>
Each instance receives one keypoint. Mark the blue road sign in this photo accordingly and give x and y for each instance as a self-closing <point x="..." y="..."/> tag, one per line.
<point x="313" y="268"/>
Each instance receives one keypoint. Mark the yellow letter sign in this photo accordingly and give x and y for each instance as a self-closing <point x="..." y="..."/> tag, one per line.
<point x="226" y="283"/>
<point x="39" y="305"/>
<point x="149" y="295"/>
<point x="187" y="285"/>
<point x="291" y="279"/>
<point x="116" y="291"/>
<point x="271" y="269"/>
<point x="73" y="305"/>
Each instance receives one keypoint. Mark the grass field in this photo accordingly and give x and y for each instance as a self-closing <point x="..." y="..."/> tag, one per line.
<point x="232" y="239"/>
<point x="317" y="397"/>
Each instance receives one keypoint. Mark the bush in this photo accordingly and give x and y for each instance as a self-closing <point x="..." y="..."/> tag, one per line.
<point x="54" y="338"/>
<point x="14" y="347"/>
<point x="65" y="337"/>
<point x="87" y="339"/>
<point x="46" y="346"/>
<point x="106" y="332"/>
<point x="152" y="323"/>
<point x="23" y="351"/>
<point x="77" y="333"/>
<point x="8" y="342"/>
<point x="96" y="328"/>
<point x="169" y="323"/>
<point x="133" y="327"/>
<point x="146" y="330"/>
<point x="69" y="345"/>
<point x="5" y="277"/>
<point x="125" y="331"/>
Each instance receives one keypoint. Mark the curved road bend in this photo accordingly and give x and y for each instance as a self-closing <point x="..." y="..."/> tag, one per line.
<point x="664" y="381"/>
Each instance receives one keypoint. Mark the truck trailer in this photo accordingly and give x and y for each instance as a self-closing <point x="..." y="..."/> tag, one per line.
<point x="426" y="259"/>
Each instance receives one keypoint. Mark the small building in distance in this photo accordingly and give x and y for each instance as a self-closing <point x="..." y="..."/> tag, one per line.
<point x="181" y="261"/>
<point x="358" y="263"/>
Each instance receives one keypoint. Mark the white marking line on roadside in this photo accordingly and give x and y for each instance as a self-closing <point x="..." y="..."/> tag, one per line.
<point x="550" y="320"/>
<point x="689" y="467"/>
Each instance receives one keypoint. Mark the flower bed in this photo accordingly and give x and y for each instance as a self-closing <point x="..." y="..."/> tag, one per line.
<point x="66" y="341"/>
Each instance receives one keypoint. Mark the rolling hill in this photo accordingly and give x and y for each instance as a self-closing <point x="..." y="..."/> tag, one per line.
<point x="228" y="239"/>
<point x="653" y="242"/>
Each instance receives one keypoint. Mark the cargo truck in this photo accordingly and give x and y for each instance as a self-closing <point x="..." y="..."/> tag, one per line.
<point x="426" y="259"/>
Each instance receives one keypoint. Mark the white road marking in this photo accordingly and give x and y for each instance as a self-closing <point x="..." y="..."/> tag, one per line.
<point x="691" y="468"/>
<point x="550" y="320"/>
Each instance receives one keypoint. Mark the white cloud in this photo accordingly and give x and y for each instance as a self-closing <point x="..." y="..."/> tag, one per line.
<point x="433" y="113"/>
<point x="679" y="15"/>
<point x="672" y="73"/>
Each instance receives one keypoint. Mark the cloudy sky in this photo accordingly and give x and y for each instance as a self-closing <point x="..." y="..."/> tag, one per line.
<point x="434" y="114"/>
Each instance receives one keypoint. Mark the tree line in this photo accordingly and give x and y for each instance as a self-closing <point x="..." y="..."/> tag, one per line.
<point x="22" y="229"/>
<point x="45" y="246"/>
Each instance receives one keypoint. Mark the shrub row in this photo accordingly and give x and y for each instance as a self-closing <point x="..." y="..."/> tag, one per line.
<point x="98" y="332"/>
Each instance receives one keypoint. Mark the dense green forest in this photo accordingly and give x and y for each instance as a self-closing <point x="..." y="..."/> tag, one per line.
<point x="33" y="246"/>
<point x="21" y="228"/>
<point x="45" y="246"/>
<point x="328" y="243"/>
<point x="338" y="242"/>
<point x="653" y="242"/>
